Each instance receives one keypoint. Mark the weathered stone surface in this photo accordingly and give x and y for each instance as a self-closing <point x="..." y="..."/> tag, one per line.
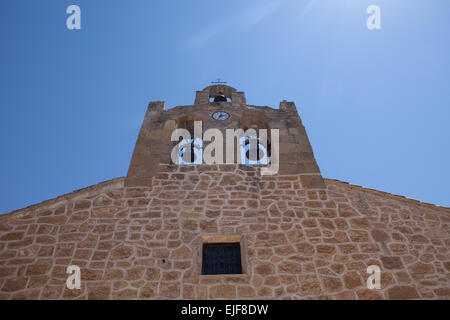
<point x="152" y="274"/>
<point x="122" y="252"/>
<point x="379" y="235"/>
<point x="289" y="267"/>
<point x="149" y="291"/>
<point x="99" y="292"/>
<point x="169" y="290"/>
<point x="126" y="294"/>
<point x="352" y="280"/>
<point x="246" y="292"/>
<point x="331" y="284"/>
<point x="442" y="292"/>
<point x="14" y="284"/>
<point x="419" y="270"/>
<point x="309" y="285"/>
<point x="135" y="273"/>
<point x="358" y="236"/>
<point x="51" y="292"/>
<point x="367" y="294"/>
<point x="305" y="248"/>
<point x="265" y="269"/>
<point x="37" y="269"/>
<point x="225" y="291"/>
<point x="12" y="236"/>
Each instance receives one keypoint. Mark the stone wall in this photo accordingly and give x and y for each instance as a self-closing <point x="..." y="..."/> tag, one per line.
<point x="154" y="145"/>
<point x="298" y="243"/>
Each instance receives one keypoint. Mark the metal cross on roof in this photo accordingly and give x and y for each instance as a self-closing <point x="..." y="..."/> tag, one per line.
<point x="218" y="81"/>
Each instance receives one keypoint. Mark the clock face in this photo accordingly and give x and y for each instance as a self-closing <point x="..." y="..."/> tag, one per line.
<point x="220" y="115"/>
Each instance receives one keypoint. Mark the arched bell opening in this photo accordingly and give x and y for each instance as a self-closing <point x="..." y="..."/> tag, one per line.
<point x="260" y="140"/>
<point x="191" y="149"/>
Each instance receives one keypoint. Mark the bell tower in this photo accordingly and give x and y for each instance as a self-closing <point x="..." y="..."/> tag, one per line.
<point x="222" y="107"/>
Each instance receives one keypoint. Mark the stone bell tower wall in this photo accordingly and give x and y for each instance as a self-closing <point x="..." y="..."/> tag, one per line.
<point x="301" y="237"/>
<point x="154" y="145"/>
<point x="145" y="242"/>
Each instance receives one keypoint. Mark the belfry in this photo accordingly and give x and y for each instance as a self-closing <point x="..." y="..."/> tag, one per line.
<point x="190" y="229"/>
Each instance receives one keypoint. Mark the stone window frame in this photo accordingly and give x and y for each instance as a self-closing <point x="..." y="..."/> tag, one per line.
<point x="223" y="238"/>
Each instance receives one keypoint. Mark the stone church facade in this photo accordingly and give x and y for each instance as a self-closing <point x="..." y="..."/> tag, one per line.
<point x="300" y="236"/>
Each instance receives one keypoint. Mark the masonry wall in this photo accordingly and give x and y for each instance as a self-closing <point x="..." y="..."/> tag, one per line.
<point x="297" y="243"/>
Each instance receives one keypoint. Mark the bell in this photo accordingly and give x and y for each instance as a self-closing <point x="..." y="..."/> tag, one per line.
<point x="220" y="97"/>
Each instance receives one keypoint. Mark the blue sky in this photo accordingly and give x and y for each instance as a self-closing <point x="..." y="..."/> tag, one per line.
<point x="375" y="104"/>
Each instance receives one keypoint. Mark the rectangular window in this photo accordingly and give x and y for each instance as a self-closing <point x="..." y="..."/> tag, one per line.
<point x="221" y="258"/>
